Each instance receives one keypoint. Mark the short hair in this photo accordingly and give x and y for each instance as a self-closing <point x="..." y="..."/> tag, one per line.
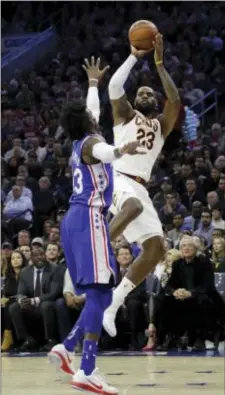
<point x="178" y="213"/>
<point x="124" y="247"/>
<point x="76" y="120"/>
<point x="52" y="244"/>
<point x="206" y="210"/>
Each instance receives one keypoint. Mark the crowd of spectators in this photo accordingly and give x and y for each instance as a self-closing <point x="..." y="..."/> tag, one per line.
<point x="187" y="185"/>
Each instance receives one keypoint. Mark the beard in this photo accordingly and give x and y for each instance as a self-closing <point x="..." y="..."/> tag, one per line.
<point x="146" y="108"/>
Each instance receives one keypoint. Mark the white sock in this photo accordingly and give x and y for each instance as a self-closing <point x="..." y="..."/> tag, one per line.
<point x="120" y="293"/>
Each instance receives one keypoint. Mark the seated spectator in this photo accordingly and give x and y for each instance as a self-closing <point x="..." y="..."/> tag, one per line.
<point x="221" y="192"/>
<point x="192" y="222"/>
<point x="6" y="252"/>
<point x="192" y="194"/>
<point x="171" y="207"/>
<point x="19" y="211"/>
<point x="26" y="192"/>
<point x="133" y="309"/>
<point x="186" y="304"/>
<point x="178" y="226"/>
<point x="26" y="251"/>
<point x="212" y="199"/>
<point x="217" y="220"/>
<point x="9" y="295"/>
<point x="68" y="308"/>
<point x="218" y="254"/>
<point x="18" y="205"/>
<point x="44" y="203"/>
<point x="46" y="229"/>
<point x="39" y="287"/>
<point x="163" y="275"/>
<point x="16" y="151"/>
<point x="36" y="243"/>
<point x="159" y="200"/>
<point x="30" y="182"/>
<point x="52" y="253"/>
<point x="24" y="238"/>
<point x="205" y="227"/>
<point x="201" y="245"/>
<point x="54" y="234"/>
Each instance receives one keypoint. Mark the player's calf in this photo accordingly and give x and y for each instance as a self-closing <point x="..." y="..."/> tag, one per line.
<point x="153" y="251"/>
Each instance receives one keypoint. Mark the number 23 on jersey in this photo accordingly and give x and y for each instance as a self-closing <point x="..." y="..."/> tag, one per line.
<point x="146" y="135"/>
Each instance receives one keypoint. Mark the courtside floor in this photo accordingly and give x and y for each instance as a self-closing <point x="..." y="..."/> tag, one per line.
<point x="131" y="373"/>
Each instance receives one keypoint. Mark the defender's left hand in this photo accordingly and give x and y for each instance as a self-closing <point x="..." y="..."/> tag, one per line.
<point x="93" y="70"/>
<point x="158" y="46"/>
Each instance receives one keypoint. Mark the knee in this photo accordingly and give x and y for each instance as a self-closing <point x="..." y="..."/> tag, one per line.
<point x="14" y="307"/>
<point x="60" y="304"/>
<point x="46" y="306"/>
<point x="133" y="206"/>
<point x="155" y="245"/>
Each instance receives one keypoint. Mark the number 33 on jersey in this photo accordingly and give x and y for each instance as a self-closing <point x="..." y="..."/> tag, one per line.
<point x="148" y="132"/>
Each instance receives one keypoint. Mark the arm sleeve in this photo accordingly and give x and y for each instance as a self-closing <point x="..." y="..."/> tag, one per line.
<point x="105" y="152"/>
<point x="119" y="78"/>
<point x="93" y="102"/>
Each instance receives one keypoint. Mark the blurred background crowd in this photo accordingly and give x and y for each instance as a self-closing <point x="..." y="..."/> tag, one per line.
<point x="182" y="304"/>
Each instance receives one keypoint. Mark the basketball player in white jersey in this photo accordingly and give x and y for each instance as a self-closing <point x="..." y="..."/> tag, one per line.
<point x="135" y="215"/>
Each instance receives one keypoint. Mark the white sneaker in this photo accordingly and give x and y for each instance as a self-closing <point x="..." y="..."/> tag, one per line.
<point x="109" y="319"/>
<point x="94" y="383"/>
<point x="60" y="357"/>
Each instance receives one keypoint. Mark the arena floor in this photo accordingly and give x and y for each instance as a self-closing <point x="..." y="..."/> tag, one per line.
<point x="132" y="374"/>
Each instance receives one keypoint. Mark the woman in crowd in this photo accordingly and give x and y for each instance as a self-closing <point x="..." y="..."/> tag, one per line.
<point x="218" y="254"/>
<point x="9" y="294"/>
<point x="165" y="271"/>
<point x="26" y="251"/>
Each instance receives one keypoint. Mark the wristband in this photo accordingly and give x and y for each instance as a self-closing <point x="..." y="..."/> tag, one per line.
<point x="159" y="62"/>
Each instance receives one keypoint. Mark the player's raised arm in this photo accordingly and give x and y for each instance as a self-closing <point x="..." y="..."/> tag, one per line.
<point x="94" y="74"/>
<point x="122" y="109"/>
<point x="172" y="107"/>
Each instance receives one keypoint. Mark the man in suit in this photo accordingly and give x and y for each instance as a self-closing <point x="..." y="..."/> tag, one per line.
<point x="39" y="287"/>
<point x="186" y="303"/>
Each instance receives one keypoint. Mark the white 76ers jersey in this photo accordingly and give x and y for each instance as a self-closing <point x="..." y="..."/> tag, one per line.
<point x="148" y="132"/>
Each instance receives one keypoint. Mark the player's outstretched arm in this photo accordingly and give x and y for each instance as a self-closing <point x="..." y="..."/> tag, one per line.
<point x="122" y="109"/>
<point x="94" y="74"/>
<point x="96" y="150"/>
<point x="172" y="107"/>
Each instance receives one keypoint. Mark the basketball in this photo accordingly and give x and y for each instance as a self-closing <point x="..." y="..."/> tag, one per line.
<point x="142" y="34"/>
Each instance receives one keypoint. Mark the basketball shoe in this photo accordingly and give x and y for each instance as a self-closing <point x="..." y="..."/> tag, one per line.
<point x="62" y="359"/>
<point x="94" y="383"/>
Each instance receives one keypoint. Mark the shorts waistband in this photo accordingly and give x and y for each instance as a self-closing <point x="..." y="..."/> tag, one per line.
<point x="135" y="178"/>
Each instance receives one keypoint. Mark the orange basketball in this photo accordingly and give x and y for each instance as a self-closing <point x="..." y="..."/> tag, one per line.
<point x="142" y="34"/>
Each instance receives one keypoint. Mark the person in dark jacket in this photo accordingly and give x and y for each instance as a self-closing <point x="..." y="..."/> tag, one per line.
<point x="9" y="294"/>
<point x="187" y="302"/>
<point x="39" y="287"/>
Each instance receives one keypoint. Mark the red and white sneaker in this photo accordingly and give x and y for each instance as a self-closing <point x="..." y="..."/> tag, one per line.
<point x="94" y="383"/>
<point x="60" y="357"/>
